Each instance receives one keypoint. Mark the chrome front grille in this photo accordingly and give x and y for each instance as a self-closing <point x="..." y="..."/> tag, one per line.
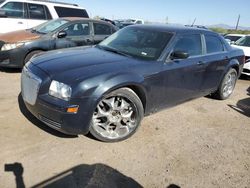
<point x="30" y="85"/>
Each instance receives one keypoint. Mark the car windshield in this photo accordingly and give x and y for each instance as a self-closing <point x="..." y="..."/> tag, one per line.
<point x="244" y="41"/>
<point x="137" y="42"/>
<point x="233" y="38"/>
<point x="49" y="26"/>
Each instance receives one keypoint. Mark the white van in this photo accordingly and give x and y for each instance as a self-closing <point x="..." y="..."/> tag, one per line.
<point x="25" y="14"/>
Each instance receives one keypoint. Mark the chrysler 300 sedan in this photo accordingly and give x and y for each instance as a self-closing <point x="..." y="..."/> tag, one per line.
<point x="107" y="89"/>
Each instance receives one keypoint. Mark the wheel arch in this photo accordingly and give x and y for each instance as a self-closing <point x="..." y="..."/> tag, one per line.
<point x="32" y="50"/>
<point x="131" y="81"/>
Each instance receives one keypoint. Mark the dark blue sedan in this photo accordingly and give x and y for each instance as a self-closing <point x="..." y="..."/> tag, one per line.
<point x="107" y="89"/>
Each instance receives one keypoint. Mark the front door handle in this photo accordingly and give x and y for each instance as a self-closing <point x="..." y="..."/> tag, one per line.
<point x="19" y="22"/>
<point x="201" y="63"/>
<point x="88" y="41"/>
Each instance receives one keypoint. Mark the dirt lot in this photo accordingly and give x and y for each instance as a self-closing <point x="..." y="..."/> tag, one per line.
<point x="202" y="143"/>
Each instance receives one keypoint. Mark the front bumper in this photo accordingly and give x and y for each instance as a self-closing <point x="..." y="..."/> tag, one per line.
<point x="53" y="112"/>
<point x="12" y="58"/>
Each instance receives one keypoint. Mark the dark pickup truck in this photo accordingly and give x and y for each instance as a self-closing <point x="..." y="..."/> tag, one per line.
<point x="107" y="89"/>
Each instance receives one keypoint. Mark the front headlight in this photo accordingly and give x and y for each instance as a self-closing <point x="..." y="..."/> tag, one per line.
<point x="12" y="46"/>
<point x="60" y="90"/>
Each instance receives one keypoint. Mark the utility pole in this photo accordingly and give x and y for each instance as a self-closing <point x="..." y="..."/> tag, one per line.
<point x="193" y="22"/>
<point x="237" y="25"/>
<point x="166" y="21"/>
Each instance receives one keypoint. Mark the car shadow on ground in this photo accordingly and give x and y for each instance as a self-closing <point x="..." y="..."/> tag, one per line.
<point x="243" y="106"/>
<point x="10" y="70"/>
<point x="96" y="175"/>
<point x="38" y="123"/>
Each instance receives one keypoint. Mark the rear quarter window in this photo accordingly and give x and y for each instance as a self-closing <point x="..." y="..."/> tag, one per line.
<point x="71" y="12"/>
<point x="214" y="44"/>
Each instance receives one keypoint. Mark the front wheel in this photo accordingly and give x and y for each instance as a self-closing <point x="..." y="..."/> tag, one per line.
<point x="227" y="85"/>
<point x="117" y="116"/>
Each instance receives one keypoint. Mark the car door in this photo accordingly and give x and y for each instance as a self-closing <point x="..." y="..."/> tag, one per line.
<point x="216" y="62"/>
<point x="77" y="34"/>
<point x="101" y="31"/>
<point x="183" y="77"/>
<point x="16" y="17"/>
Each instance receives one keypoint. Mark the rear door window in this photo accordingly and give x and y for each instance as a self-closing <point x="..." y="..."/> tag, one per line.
<point x="71" y="12"/>
<point x="213" y="44"/>
<point x="102" y="29"/>
<point x="37" y="12"/>
<point x="190" y="44"/>
<point x="14" y="10"/>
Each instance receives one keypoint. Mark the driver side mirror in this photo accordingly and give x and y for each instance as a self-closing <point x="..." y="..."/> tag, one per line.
<point x="179" y="55"/>
<point x="62" y="34"/>
<point x="3" y="13"/>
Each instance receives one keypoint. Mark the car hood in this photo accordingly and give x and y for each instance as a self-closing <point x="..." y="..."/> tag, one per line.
<point x="80" y="63"/>
<point x="244" y="48"/>
<point x="19" y="36"/>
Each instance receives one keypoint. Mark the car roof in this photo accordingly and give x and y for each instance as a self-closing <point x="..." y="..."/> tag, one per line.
<point x="173" y="28"/>
<point x="81" y="19"/>
<point x="236" y="35"/>
<point x="64" y="4"/>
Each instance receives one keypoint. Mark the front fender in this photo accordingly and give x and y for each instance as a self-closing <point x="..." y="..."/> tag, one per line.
<point x="99" y="86"/>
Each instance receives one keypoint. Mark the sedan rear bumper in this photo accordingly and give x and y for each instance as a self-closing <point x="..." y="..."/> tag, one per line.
<point x="246" y="69"/>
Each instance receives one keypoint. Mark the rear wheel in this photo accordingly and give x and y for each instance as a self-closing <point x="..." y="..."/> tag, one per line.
<point x="117" y="116"/>
<point x="30" y="55"/>
<point x="227" y="85"/>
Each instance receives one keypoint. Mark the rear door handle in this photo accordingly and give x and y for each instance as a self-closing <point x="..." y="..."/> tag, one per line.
<point x="19" y="22"/>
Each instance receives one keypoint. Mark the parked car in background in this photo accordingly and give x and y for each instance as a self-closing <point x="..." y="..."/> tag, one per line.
<point x="124" y="23"/>
<point x="232" y="38"/>
<point x="136" y="21"/>
<point x="24" y="14"/>
<point x="107" y="89"/>
<point x="244" y="44"/>
<point x="16" y="48"/>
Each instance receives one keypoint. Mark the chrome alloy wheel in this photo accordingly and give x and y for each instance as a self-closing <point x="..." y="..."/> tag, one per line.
<point x="115" y="117"/>
<point x="229" y="84"/>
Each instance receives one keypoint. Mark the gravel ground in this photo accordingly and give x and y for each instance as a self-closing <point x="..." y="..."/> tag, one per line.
<point x="202" y="143"/>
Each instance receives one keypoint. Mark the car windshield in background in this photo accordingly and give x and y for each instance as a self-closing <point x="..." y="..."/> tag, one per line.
<point x="49" y="26"/>
<point x="245" y="41"/>
<point x="233" y="38"/>
<point x="137" y="42"/>
<point x="1" y="1"/>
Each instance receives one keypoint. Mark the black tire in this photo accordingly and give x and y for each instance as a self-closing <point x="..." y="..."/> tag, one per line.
<point x="30" y="55"/>
<point x="220" y="93"/>
<point x="134" y="101"/>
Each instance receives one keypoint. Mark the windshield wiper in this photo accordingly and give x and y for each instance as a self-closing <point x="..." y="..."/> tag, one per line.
<point x="113" y="50"/>
<point x="35" y="31"/>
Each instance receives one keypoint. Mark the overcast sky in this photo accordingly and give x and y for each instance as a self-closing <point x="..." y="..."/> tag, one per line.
<point x="207" y="12"/>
